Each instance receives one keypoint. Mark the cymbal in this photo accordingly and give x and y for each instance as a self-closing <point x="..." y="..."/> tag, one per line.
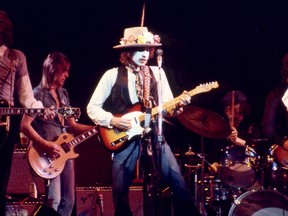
<point x="204" y="122"/>
<point x="190" y="152"/>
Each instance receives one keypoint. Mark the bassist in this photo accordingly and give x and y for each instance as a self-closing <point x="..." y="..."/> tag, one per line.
<point x="15" y="87"/>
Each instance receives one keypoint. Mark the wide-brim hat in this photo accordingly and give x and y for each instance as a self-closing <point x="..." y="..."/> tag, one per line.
<point x="138" y="37"/>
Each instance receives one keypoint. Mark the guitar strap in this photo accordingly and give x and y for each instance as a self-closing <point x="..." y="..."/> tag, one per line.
<point x="146" y="96"/>
<point x="11" y="58"/>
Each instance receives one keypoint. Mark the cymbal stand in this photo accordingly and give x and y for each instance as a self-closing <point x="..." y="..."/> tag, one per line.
<point x="202" y="206"/>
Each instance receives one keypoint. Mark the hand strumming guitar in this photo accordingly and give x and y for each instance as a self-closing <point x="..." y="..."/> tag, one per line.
<point x="121" y="123"/>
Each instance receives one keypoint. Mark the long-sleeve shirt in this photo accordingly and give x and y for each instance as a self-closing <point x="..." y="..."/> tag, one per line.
<point x="14" y="76"/>
<point x="95" y="106"/>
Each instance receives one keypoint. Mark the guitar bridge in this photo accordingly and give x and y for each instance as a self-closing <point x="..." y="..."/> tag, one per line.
<point x="120" y="140"/>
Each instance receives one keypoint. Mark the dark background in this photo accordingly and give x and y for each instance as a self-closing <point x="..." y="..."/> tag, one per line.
<point x="239" y="43"/>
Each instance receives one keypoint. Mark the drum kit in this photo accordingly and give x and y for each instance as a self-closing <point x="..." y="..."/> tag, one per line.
<point x="244" y="182"/>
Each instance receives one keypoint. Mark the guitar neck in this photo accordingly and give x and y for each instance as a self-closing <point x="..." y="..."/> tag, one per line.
<point x="21" y="111"/>
<point x="168" y="106"/>
<point x="79" y="139"/>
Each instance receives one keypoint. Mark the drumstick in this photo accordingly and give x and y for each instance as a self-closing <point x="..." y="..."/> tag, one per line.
<point x="232" y="110"/>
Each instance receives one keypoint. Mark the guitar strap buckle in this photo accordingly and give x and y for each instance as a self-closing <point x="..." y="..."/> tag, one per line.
<point x="147" y="121"/>
<point x="147" y="117"/>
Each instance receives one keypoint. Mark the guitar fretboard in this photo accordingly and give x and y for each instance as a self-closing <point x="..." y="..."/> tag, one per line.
<point x="20" y="111"/>
<point x="79" y="139"/>
<point x="168" y="106"/>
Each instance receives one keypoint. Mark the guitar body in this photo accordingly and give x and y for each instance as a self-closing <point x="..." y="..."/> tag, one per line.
<point x="116" y="140"/>
<point x="281" y="154"/>
<point x="46" y="167"/>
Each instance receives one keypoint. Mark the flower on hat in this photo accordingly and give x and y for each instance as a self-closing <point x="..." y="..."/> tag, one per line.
<point x="144" y="38"/>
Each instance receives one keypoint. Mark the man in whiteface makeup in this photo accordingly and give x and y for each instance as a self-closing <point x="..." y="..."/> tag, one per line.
<point x="121" y="94"/>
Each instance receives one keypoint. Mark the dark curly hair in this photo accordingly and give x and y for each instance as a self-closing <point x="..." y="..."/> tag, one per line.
<point x="6" y="28"/>
<point x="239" y="98"/>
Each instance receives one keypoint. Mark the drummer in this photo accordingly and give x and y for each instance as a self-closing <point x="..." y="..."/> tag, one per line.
<point x="243" y="130"/>
<point x="236" y="109"/>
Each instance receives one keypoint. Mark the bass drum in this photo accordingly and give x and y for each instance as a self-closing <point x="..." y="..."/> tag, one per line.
<point x="259" y="203"/>
<point x="238" y="166"/>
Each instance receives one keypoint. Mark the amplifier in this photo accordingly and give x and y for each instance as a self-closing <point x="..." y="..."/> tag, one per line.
<point x="88" y="202"/>
<point x="25" y="208"/>
<point x="22" y="176"/>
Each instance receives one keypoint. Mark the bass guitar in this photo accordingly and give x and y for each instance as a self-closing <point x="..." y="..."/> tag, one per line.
<point x="50" y="167"/>
<point x="115" y="140"/>
<point x="6" y="111"/>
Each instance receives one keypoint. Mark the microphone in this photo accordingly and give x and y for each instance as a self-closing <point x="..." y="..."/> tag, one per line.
<point x="159" y="53"/>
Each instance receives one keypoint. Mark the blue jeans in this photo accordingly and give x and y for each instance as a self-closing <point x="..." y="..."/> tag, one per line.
<point x="123" y="167"/>
<point x="61" y="191"/>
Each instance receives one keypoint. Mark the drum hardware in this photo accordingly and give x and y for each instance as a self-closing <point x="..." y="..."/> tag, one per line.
<point x="207" y="124"/>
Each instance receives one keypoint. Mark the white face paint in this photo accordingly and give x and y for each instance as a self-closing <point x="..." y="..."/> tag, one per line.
<point x="140" y="58"/>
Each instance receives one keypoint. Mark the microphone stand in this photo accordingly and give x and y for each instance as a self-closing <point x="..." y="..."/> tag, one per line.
<point x="160" y="130"/>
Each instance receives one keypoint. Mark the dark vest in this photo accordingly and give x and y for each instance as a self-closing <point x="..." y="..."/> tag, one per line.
<point x="119" y="101"/>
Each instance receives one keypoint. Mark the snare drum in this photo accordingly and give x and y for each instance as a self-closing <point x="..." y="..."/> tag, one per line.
<point x="259" y="203"/>
<point x="238" y="166"/>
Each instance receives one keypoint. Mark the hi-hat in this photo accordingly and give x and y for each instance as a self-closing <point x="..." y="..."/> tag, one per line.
<point x="204" y="122"/>
<point x="190" y="152"/>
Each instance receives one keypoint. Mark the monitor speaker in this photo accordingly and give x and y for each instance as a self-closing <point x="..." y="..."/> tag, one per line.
<point x="21" y="208"/>
<point x="88" y="202"/>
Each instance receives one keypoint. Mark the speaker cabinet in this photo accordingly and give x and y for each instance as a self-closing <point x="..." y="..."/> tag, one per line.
<point x="22" y="176"/>
<point x="89" y="204"/>
<point x="26" y="208"/>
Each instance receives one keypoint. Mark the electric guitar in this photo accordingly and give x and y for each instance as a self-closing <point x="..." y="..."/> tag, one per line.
<point x="6" y="111"/>
<point x="116" y="140"/>
<point x="50" y="167"/>
<point x="281" y="153"/>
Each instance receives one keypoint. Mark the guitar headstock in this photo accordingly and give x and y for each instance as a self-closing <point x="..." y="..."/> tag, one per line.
<point x="207" y="86"/>
<point x="69" y="112"/>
